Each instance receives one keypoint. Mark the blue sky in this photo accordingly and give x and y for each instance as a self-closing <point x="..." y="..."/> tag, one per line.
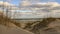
<point x="16" y="2"/>
<point x="58" y="1"/>
<point x="13" y="1"/>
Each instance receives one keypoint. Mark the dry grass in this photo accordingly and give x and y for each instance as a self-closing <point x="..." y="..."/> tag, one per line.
<point x="35" y="27"/>
<point x="4" y="20"/>
<point x="44" y="25"/>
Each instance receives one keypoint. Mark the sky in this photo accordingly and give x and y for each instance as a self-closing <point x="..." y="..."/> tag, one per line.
<point x="16" y="2"/>
<point x="42" y="6"/>
<point x="58" y="1"/>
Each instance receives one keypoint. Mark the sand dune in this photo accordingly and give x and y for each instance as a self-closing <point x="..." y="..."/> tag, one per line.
<point x="8" y="26"/>
<point x="13" y="30"/>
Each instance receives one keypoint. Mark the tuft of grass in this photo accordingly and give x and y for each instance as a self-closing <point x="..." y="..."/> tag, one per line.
<point x="4" y="20"/>
<point x="38" y="25"/>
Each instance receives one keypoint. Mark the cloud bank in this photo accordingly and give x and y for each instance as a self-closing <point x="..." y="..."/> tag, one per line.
<point x="43" y="9"/>
<point x="6" y="3"/>
<point x="38" y="9"/>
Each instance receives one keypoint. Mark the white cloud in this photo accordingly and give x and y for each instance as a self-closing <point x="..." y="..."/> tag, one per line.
<point x="39" y="6"/>
<point x="30" y="2"/>
<point x="25" y="3"/>
<point x="52" y="7"/>
<point x="48" y="5"/>
<point x="6" y="3"/>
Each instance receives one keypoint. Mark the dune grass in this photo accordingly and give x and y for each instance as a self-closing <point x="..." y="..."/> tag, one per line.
<point x="4" y="20"/>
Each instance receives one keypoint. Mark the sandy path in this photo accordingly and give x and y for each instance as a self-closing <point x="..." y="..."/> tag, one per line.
<point x="14" y="30"/>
